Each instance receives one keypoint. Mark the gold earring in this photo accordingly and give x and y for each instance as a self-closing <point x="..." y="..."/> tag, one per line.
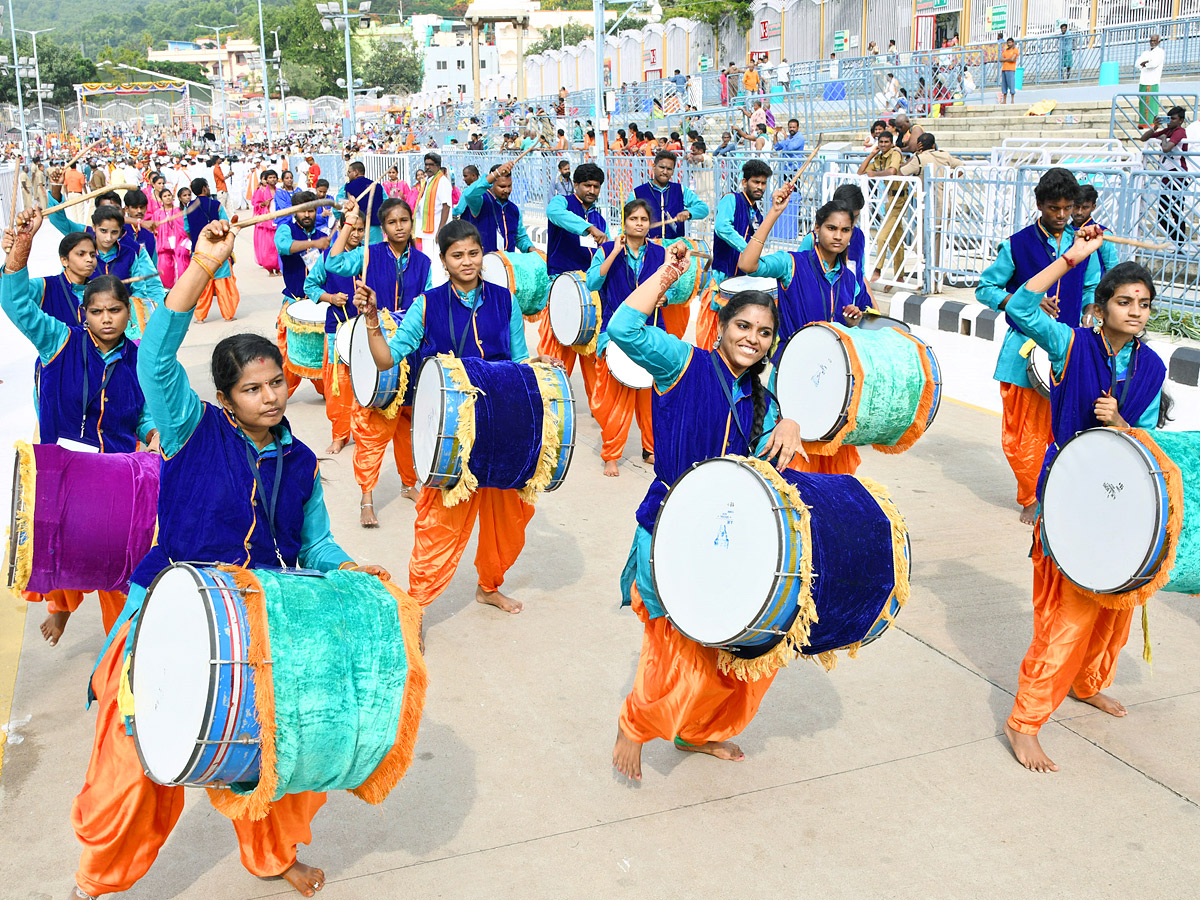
<point x="1097" y="325"/>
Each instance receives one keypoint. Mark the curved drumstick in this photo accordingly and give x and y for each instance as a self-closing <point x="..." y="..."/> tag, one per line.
<point x="367" y="236"/>
<point x="1135" y="242"/>
<point x="78" y="156"/>
<point x="91" y="195"/>
<point x="137" y="278"/>
<point x="792" y="181"/>
<point x="279" y="213"/>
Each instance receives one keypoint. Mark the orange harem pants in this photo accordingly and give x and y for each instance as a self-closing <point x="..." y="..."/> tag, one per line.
<point x="111" y="603"/>
<point x="442" y="533"/>
<point x="707" y="326"/>
<point x="844" y="462"/>
<point x="227" y="294"/>
<point x="679" y="691"/>
<point x="548" y="345"/>
<point x="372" y="432"/>
<point x="1025" y="430"/>
<point x="291" y="378"/>
<point x="614" y="406"/>
<point x="1076" y="643"/>
<point x="122" y="818"/>
<point x="339" y="399"/>
<point x="675" y="318"/>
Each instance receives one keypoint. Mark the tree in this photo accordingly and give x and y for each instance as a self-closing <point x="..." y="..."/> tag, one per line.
<point x="394" y="67"/>
<point x="61" y="69"/>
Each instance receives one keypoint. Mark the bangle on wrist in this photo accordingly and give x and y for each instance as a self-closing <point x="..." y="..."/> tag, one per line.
<point x="205" y="269"/>
<point x="1071" y="263"/>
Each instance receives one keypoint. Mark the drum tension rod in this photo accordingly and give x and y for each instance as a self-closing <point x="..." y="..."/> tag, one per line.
<point x="242" y="741"/>
<point x="238" y="662"/>
<point x="767" y="631"/>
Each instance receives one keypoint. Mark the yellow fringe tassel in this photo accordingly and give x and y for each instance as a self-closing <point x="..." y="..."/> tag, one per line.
<point x="300" y="327"/>
<point x="257" y="804"/>
<point x="789" y="648"/>
<point x="392" y="410"/>
<point x="590" y="347"/>
<point x="22" y="542"/>
<point x="465" y="431"/>
<point x="548" y="386"/>
<point x="395" y="763"/>
<point x="1147" y="653"/>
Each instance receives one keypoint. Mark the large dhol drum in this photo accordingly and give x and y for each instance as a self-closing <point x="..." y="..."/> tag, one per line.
<point x="752" y="561"/>
<point x="1039" y="370"/>
<point x="230" y="689"/>
<point x="341" y="341"/>
<point x="80" y="521"/>
<point x="625" y="370"/>
<point x="1118" y="515"/>
<point x="304" y="322"/>
<point x="524" y="274"/>
<point x="498" y="424"/>
<point x="850" y="386"/>
<point x="574" y="310"/>
<point x="372" y="388"/>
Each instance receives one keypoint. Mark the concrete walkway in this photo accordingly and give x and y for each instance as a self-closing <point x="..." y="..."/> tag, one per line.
<point x="885" y="778"/>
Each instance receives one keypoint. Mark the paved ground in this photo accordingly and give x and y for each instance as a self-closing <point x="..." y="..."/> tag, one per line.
<point x="885" y="778"/>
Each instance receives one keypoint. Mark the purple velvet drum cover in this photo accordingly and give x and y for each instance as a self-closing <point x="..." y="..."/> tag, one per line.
<point x="80" y="521"/>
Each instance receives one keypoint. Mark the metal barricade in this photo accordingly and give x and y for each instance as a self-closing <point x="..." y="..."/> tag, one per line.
<point x="1024" y="151"/>
<point x="1133" y="112"/>
<point x="893" y="222"/>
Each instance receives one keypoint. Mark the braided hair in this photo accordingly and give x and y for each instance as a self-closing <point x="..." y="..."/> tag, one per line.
<point x="758" y="393"/>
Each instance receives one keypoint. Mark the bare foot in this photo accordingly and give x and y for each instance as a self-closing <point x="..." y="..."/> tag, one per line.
<point x="610" y="468"/>
<point x="366" y="513"/>
<point x="719" y="749"/>
<point x="410" y="492"/>
<point x="1103" y="702"/>
<point x="497" y="599"/>
<point x="304" y="879"/>
<point x="627" y="756"/>
<point x="53" y="626"/>
<point x="336" y="446"/>
<point x="1028" y="751"/>
<point x="1029" y="514"/>
<point x="875" y="276"/>
<point x="77" y="893"/>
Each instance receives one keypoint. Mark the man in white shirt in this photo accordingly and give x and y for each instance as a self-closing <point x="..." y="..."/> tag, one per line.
<point x="1150" y="66"/>
<point x="432" y="212"/>
<point x="783" y="75"/>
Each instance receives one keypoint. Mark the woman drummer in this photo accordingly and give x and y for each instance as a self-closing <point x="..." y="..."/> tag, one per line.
<point x="706" y="403"/>
<point x="397" y="274"/>
<point x="469" y="318"/>
<point x="617" y="268"/>
<point x="323" y="286"/>
<point x="88" y="391"/>
<point x="815" y="285"/>
<point x="238" y="488"/>
<point x="1105" y="375"/>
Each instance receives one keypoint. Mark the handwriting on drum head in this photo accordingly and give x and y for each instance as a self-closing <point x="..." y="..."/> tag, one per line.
<point x="722" y="538"/>
<point x="1113" y="489"/>
<point x="820" y="373"/>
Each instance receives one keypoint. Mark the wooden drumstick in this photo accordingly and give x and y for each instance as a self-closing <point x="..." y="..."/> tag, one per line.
<point x="367" y="237"/>
<point x="91" y="195"/>
<point x="138" y="278"/>
<point x="78" y="156"/>
<point x="279" y="213"/>
<point x="792" y="181"/>
<point x="1135" y="242"/>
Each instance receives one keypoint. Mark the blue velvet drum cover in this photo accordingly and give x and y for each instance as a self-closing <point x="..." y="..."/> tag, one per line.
<point x="500" y="424"/>
<point x="767" y="564"/>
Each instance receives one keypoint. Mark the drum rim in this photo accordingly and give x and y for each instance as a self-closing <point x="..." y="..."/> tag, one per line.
<point x="583" y="318"/>
<point x="1143" y="574"/>
<point x="13" y="532"/>
<point x="779" y="551"/>
<point x="935" y="369"/>
<point x="849" y="395"/>
<point x="370" y="402"/>
<point x="425" y="479"/>
<point x="774" y="291"/>
<point x="502" y="257"/>
<point x="565" y="461"/>
<point x="210" y="700"/>
<point x="1035" y="379"/>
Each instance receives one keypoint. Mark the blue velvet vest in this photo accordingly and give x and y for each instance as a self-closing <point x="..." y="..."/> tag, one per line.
<point x="746" y="219"/>
<point x="619" y="283"/>
<point x="489" y="333"/>
<point x="810" y="298"/>
<point x="208" y="504"/>
<point x="857" y="253"/>
<point x="393" y="293"/>
<point x="665" y="205"/>
<point x="1088" y="375"/>
<point x="692" y="424"/>
<point x="112" y="411"/>
<point x="143" y="237"/>
<point x="1030" y="255"/>
<point x="495" y="219"/>
<point x="61" y="301"/>
<point x="564" y="253"/>
<point x="207" y="209"/>
<point x="338" y="284"/>
<point x="120" y="265"/>
<point x="356" y="186"/>
<point x="292" y="264"/>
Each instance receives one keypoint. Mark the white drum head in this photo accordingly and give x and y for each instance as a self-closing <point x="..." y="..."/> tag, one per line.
<point x="304" y="310"/>
<point x="731" y="286"/>
<point x="364" y="373"/>
<point x="494" y="271"/>
<point x="813" y="381"/>
<point x="171" y="674"/>
<point x="1100" y="509"/>
<point x="427" y="417"/>
<point x="1039" y="360"/>
<point x="625" y="370"/>
<point x="567" y="296"/>
<point x="716" y="550"/>
<point x="341" y="340"/>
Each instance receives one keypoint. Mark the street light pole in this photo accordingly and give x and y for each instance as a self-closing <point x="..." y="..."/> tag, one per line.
<point x="262" y="46"/>
<point x="349" y="70"/>
<point x="17" y="75"/>
<point x="282" y="83"/>
<point x="37" y="72"/>
<point x="220" y="79"/>
<point x="598" y="38"/>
